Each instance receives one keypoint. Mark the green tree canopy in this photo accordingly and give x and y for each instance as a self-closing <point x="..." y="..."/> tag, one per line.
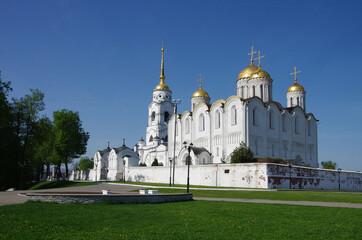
<point x="70" y="137"/>
<point x="155" y="162"/>
<point x="329" y="165"/>
<point x="242" y="154"/>
<point x="85" y="163"/>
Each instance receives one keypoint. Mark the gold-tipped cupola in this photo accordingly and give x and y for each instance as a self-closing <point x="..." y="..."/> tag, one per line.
<point x="249" y="70"/>
<point x="162" y="85"/>
<point x="259" y="73"/>
<point x="201" y="92"/>
<point x="295" y="87"/>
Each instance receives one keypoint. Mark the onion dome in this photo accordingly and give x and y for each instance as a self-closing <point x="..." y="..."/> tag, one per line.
<point x="296" y="87"/>
<point x="248" y="71"/>
<point x="260" y="73"/>
<point x="201" y="92"/>
<point x="162" y="85"/>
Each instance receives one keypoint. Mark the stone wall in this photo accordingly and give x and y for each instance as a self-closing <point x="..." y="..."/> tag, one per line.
<point x="251" y="175"/>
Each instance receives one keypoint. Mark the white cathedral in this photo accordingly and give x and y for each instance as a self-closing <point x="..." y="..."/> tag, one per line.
<point x="216" y="129"/>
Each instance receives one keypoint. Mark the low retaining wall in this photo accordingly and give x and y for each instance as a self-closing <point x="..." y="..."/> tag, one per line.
<point x="251" y="175"/>
<point x="120" y="198"/>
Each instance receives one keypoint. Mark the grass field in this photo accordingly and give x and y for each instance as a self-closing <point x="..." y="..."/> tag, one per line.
<point x="59" y="184"/>
<point x="284" y="195"/>
<point x="187" y="220"/>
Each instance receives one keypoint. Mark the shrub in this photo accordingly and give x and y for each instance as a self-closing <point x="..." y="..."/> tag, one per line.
<point x="242" y="154"/>
<point x="155" y="162"/>
<point x="329" y="165"/>
<point x="142" y="165"/>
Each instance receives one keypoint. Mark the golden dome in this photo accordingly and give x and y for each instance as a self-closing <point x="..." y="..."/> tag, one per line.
<point x="296" y="87"/>
<point x="200" y="93"/>
<point x="162" y="86"/>
<point x="260" y="73"/>
<point x="248" y="71"/>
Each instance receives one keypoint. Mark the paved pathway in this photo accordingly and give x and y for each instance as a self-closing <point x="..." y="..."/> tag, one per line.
<point x="303" y="203"/>
<point x="7" y="198"/>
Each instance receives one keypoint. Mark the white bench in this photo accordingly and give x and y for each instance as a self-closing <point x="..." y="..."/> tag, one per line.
<point x="147" y="192"/>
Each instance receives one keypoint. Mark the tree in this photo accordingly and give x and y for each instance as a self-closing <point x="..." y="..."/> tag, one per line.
<point x="329" y="165"/>
<point x="242" y="154"/>
<point x="44" y="149"/>
<point x="86" y="163"/>
<point x="70" y="138"/>
<point x="26" y="111"/>
<point x="9" y="146"/>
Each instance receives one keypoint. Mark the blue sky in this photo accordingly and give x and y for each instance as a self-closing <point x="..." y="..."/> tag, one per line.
<point x="102" y="58"/>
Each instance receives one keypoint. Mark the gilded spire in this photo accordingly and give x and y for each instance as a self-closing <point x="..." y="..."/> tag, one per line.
<point x="252" y="53"/>
<point x="295" y="74"/>
<point x="258" y="58"/>
<point x="162" y="76"/>
<point x="200" y="80"/>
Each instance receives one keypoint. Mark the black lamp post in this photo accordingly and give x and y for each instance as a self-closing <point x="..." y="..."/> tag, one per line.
<point x="124" y="171"/>
<point x="339" y="179"/>
<point x="170" y="159"/>
<point x="188" y="164"/>
<point x="290" y="175"/>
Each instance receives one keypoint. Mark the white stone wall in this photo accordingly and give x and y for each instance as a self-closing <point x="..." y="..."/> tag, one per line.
<point x="251" y="175"/>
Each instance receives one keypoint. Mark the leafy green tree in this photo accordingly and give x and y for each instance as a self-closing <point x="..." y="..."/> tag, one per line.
<point x="70" y="137"/>
<point x="85" y="163"/>
<point x="242" y="154"/>
<point x="9" y="146"/>
<point x="26" y="112"/>
<point x="44" y="153"/>
<point x="329" y="165"/>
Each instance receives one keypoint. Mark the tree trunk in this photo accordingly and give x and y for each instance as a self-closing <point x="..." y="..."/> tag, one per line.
<point x="59" y="172"/>
<point x="48" y="171"/>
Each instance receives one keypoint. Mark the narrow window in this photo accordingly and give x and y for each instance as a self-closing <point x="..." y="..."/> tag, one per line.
<point x="261" y="93"/>
<point x="254" y="116"/>
<point x="256" y="147"/>
<point x="166" y="117"/>
<point x="153" y="116"/>
<point x="217" y="119"/>
<point x="291" y="102"/>
<point x="151" y="138"/>
<point x="253" y="91"/>
<point x="233" y="116"/>
<point x="217" y="152"/>
<point x="242" y="92"/>
<point x="187" y="129"/>
<point x="283" y="122"/>
<point x="297" y="101"/>
<point x="309" y="128"/>
<point x="201" y="123"/>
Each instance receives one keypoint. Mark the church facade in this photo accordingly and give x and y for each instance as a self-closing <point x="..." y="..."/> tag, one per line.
<point x="216" y="129"/>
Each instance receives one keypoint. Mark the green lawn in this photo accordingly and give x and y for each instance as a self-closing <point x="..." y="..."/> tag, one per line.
<point x="283" y="195"/>
<point x="59" y="184"/>
<point x="186" y="220"/>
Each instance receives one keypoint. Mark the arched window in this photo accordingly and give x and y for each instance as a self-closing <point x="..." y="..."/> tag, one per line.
<point x="242" y="92"/>
<point x="151" y="139"/>
<point x="296" y="127"/>
<point x="166" y="117"/>
<point x="201" y="123"/>
<point x="283" y="123"/>
<point x="253" y="91"/>
<point x="271" y="120"/>
<point x="297" y="101"/>
<point x="187" y="126"/>
<point x="233" y="116"/>
<point x="291" y="102"/>
<point x="261" y="92"/>
<point x="309" y="128"/>
<point x="217" y="119"/>
<point x="254" y="117"/>
<point x="153" y="116"/>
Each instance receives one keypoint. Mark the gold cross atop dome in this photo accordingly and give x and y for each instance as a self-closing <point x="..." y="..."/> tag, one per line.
<point x="252" y="53"/>
<point x="295" y="73"/>
<point x="259" y="57"/>
<point x="200" y="80"/>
